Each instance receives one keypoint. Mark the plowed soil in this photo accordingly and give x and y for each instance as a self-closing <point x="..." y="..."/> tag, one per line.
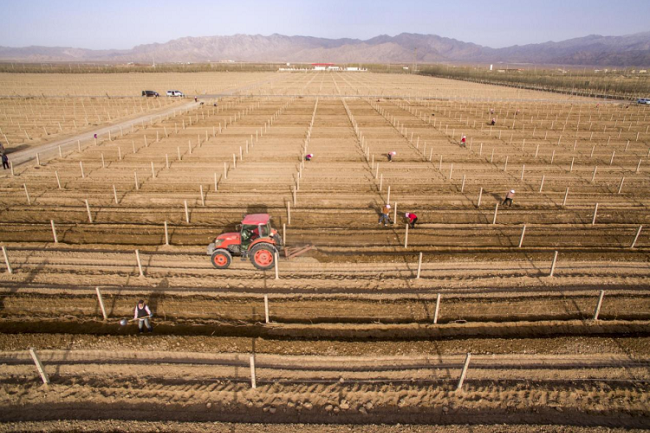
<point x="370" y="329"/>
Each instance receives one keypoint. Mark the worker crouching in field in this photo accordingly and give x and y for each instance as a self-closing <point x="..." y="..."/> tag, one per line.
<point x="494" y="121"/>
<point x="509" y="196"/>
<point x="463" y="141"/>
<point x="390" y="155"/>
<point x="411" y="218"/>
<point x="309" y="157"/>
<point x="384" y="216"/>
<point x="143" y="314"/>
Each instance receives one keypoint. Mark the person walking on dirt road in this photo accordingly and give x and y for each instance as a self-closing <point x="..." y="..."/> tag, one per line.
<point x="509" y="196"/>
<point x="384" y="216"/>
<point x="143" y="314"/>
<point x="412" y="218"/>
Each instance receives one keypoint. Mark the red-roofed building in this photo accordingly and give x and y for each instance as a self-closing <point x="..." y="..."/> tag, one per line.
<point x="325" y="67"/>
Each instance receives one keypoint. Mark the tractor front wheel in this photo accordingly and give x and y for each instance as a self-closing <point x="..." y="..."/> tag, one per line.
<point x="221" y="259"/>
<point x="263" y="257"/>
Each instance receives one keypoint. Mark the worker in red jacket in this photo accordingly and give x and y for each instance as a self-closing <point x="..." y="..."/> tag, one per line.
<point x="412" y="218"/>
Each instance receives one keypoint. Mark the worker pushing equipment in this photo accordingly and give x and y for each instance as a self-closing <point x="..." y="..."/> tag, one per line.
<point x="142" y="313"/>
<point x="384" y="216"/>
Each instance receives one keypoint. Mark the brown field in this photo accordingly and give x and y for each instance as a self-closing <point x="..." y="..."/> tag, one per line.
<point x="356" y="333"/>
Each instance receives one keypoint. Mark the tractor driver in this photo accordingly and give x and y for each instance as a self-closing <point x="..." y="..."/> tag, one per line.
<point x="248" y="234"/>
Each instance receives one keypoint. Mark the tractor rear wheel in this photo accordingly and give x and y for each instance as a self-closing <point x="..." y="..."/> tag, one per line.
<point x="263" y="257"/>
<point x="221" y="259"/>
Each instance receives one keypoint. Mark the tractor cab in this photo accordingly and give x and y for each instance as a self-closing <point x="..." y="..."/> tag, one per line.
<point x="254" y="227"/>
<point x="254" y="239"/>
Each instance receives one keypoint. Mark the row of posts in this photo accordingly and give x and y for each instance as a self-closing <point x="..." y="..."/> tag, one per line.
<point x="267" y="316"/>
<point x="46" y="380"/>
<point x="276" y="255"/>
<point x="459" y="385"/>
<point x="284" y="229"/>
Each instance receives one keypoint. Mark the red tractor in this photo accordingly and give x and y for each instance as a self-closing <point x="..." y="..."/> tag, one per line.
<point x="256" y="240"/>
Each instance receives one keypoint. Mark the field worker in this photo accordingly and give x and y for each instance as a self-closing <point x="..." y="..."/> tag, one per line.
<point x="95" y="136"/>
<point x="384" y="215"/>
<point x="143" y="314"/>
<point x="509" y="196"/>
<point x="412" y="218"/>
<point x="463" y="141"/>
<point x="494" y="121"/>
<point x="196" y="99"/>
<point x="5" y="161"/>
<point x="309" y="157"/>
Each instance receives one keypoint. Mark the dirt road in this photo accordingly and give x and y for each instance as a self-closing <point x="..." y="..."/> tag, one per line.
<point x="50" y="149"/>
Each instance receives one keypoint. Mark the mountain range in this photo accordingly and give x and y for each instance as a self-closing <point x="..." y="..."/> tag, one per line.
<point x="592" y="50"/>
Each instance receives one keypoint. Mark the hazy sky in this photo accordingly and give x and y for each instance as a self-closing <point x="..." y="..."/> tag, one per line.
<point x="495" y="23"/>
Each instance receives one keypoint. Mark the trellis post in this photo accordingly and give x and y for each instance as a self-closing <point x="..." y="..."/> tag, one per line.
<point x="4" y="253"/>
<point x="101" y="303"/>
<point x="90" y="216"/>
<point x="599" y="304"/>
<point x="437" y="310"/>
<point x="39" y="366"/>
<point x="553" y="264"/>
<point x="137" y="258"/>
<point x="463" y="373"/>
<point x="56" y="240"/>
<point x="638" y="233"/>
